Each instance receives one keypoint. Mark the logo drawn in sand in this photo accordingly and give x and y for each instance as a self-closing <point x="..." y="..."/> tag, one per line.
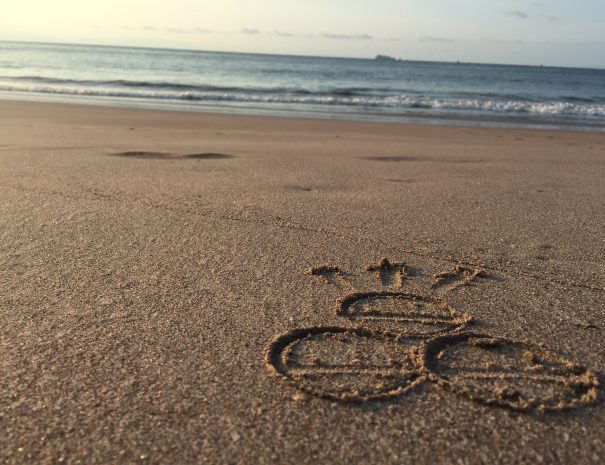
<point x="400" y="339"/>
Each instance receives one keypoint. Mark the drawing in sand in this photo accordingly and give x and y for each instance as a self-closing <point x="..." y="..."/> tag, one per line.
<point x="396" y="340"/>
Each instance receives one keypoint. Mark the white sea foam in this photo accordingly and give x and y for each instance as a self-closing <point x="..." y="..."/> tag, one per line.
<point x="388" y="102"/>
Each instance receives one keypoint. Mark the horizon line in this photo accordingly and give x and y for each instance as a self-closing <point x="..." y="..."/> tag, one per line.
<point x="193" y="50"/>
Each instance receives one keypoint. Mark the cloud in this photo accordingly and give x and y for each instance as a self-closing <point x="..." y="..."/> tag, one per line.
<point x="283" y="34"/>
<point x="171" y="30"/>
<point x="250" y="31"/>
<point x="435" y="39"/>
<point x="509" y="42"/>
<point x="516" y="14"/>
<point x="176" y="30"/>
<point x="524" y="15"/>
<point x="347" y="36"/>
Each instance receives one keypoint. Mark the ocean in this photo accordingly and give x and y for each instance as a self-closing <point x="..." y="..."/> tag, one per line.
<point x="336" y="88"/>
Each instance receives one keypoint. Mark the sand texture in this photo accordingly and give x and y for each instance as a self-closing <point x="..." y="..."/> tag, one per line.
<point x="206" y="289"/>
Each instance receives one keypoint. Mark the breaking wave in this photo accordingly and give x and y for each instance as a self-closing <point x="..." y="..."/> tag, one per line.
<point x="361" y="98"/>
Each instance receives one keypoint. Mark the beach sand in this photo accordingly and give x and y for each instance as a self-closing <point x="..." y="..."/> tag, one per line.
<point x="150" y="259"/>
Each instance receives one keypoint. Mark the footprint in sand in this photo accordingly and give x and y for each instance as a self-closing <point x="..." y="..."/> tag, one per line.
<point x="143" y="155"/>
<point x="399" y="340"/>
<point x="208" y="156"/>
<point x="149" y="155"/>
<point x="394" y="158"/>
<point x="407" y="158"/>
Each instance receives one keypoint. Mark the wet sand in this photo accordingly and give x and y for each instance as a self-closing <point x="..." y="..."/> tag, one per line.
<point x="191" y="288"/>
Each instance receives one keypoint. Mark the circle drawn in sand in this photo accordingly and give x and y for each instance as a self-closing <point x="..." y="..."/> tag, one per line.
<point x="402" y="313"/>
<point x="348" y="365"/>
<point x="514" y="374"/>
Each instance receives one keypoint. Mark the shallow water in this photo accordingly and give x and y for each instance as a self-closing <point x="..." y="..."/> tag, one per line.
<point x="327" y="87"/>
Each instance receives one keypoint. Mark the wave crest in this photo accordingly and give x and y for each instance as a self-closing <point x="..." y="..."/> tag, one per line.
<point x="350" y="98"/>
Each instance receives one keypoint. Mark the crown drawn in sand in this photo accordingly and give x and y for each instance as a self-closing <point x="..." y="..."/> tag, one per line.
<point x="390" y="308"/>
<point x="401" y="339"/>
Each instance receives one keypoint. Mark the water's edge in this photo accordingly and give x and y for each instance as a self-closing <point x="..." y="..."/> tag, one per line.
<point x="481" y="121"/>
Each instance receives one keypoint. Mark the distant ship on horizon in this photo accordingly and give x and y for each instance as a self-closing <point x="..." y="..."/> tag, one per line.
<point x="386" y="58"/>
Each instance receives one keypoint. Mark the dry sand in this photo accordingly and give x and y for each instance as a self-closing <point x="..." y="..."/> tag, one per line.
<point x="148" y="259"/>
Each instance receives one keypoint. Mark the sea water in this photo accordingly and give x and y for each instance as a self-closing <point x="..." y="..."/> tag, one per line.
<point x="343" y="88"/>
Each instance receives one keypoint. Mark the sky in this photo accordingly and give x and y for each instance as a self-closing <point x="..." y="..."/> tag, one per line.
<point x="548" y="32"/>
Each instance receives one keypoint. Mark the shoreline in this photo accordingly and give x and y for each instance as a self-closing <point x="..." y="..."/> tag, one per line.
<point x="410" y="118"/>
<point x="176" y="117"/>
